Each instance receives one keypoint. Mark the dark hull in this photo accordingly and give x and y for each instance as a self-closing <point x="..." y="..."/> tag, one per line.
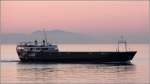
<point x="77" y="56"/>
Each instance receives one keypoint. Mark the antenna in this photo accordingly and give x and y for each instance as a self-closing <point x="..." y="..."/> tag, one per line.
<point x="45" y="36"/>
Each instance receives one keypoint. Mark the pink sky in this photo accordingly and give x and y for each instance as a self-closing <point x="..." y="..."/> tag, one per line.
<point x="76" y="16"/>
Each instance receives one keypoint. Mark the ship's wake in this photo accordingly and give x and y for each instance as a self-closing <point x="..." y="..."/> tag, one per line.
<point x="9" y="60"/>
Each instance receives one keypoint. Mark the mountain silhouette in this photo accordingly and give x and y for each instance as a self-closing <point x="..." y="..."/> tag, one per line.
<point x="60" y="36"/>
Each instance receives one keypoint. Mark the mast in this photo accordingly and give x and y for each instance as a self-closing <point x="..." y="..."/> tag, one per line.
<point x="122" y="41"/>
<point x="45" y="36"/>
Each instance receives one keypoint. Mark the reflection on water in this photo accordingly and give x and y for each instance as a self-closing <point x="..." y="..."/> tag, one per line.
<point x="64" y="73"/>
<point x="14" y="72"/>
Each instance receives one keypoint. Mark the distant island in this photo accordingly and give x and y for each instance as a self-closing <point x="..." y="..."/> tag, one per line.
<point x="60" y="36"/>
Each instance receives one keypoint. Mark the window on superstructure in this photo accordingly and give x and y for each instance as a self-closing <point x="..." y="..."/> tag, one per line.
<point x="45" y="48"/>
<point x="37" y="48"/>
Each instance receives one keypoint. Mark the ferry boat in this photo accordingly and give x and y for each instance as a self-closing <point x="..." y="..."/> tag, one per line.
<point x="44" y="51"/>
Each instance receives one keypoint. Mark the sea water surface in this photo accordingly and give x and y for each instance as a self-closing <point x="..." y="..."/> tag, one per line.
<point x="14" y="72"/>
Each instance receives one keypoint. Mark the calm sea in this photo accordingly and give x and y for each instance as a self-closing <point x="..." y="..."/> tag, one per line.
<point x="14" y="72"/>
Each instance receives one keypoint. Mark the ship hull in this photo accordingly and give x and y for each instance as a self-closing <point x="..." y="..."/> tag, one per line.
<point x="77" y="56"/>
